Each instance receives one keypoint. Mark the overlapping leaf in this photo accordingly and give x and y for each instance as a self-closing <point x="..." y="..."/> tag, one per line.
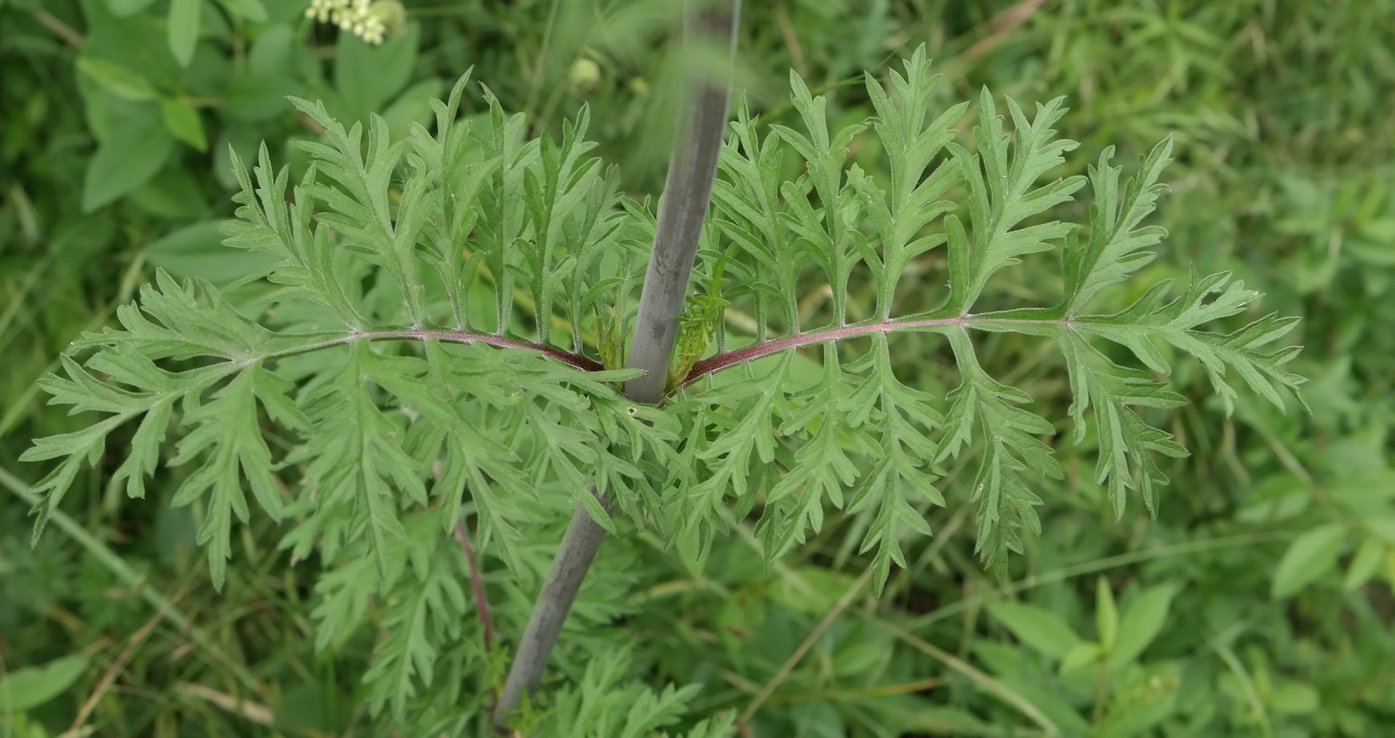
<point x="386" y="251"/>
<point x="380" y="242"/>
<point x="834" y="225"/>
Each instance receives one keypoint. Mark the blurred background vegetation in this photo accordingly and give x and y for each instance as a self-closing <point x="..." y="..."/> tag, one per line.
<point x="1258" y="603"/>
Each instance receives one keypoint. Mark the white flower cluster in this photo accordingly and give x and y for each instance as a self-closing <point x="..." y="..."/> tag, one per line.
<point x="355" y="16"/>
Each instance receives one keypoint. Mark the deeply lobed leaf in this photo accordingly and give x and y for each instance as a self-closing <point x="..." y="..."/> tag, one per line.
<point x="400" y="269"/>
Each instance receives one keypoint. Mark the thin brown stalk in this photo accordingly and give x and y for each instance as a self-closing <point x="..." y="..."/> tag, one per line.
<point x="1002" y="25"/>
<point x="476" y="585"/>
<point x="60" y="29"/>
<point x="109" y="677"/>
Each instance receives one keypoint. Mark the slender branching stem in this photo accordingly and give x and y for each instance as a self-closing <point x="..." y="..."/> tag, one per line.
<point x="711" y="365"/>
<point x="446" y="336"/>
<point x="762" y="349"/>
<point x="687" y="193"/>
<point x="62" y="30"/>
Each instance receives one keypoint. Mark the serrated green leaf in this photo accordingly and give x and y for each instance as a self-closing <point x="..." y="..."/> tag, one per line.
<point x="345" y="593"/>
<point x="1001" y="177"/>
<point x="1128" y="446"/>
<point x="1006" y="504"/>
<point x="427" y="311"/>
<point x="422" y="617"/>
<point x="357" y="465"/>
<point x="225" y="431"/>
<point x="1118" y="243"/>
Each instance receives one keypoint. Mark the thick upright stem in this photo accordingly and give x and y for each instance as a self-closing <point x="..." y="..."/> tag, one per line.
<point x="687" y="192"/>
<point x="579" y="547"/>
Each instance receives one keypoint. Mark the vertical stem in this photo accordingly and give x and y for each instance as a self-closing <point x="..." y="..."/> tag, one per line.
<point x="573" y="559"/>
<point x="687" y="192"/>
<point x="476" y="585"/>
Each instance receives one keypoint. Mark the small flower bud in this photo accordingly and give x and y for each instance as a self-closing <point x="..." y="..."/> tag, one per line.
<point x="584" y="75"/>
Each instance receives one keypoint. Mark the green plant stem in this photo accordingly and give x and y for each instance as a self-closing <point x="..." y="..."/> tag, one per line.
<point x="687" y="193"/>
<point x="292" y="344"/>
<point x="982" y="679"/>
<point x="788" y="667"/>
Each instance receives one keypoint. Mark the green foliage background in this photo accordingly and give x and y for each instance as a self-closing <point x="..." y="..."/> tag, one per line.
<point x="1259" y="602"/>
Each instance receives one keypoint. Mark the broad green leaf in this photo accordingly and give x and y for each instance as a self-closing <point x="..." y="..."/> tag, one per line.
<point x="251" y="10"/>
<point x="369" y="76"/>
<point x="271" y="50"/>
<point x="1276" y="498"/>
<point x="412" y="106"/>
<point x="122" y="8"/>
<point x="117" y="79"/>
<point x="1040" y="630"/>
<point x="1364" y="564"/>
<point x="1381" y="526"/>
<point x="1309" y="557"/>
<point x="1295" y="698"/>
<point x="1141" y="623"/>
<point x="1081" y="656"/>
<point x="173" y="194"/>
<point x="184" y="29"/>
<point x="123" y="162"/>
<point x="1106" y="614"/>
<point x="260" y="94"/>
<point x="182" y="121"/>
<point x="1138" y="705"/>
<point x="27" y="688"/>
